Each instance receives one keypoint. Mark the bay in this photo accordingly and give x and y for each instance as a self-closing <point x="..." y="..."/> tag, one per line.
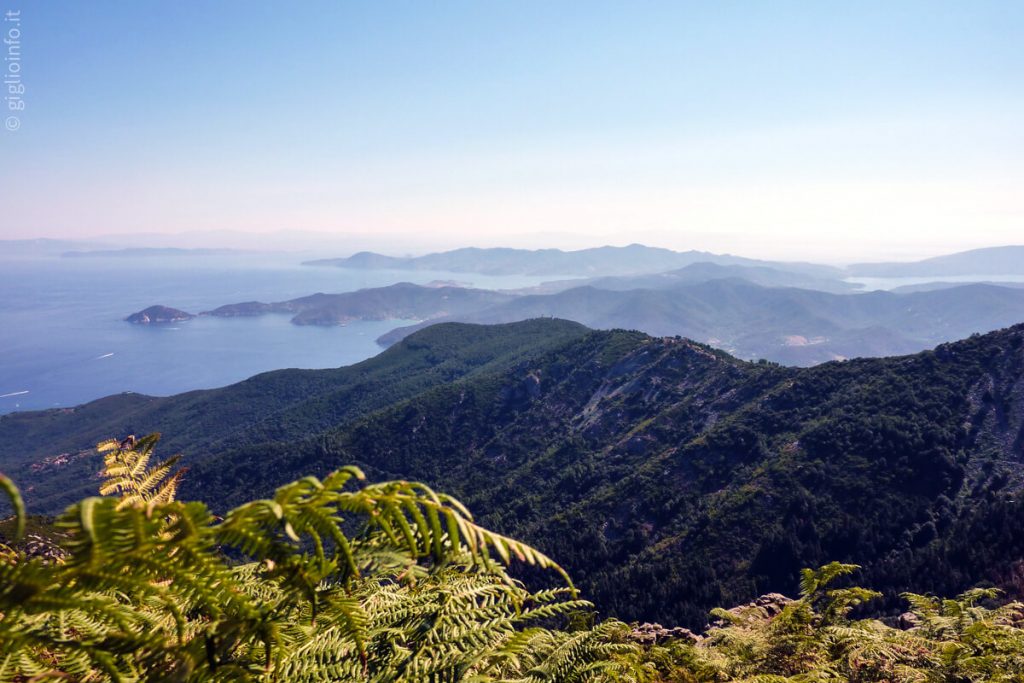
<point x="63" y="339"/>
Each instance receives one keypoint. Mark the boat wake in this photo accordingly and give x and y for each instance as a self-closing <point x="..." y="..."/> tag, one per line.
<point x="14" y="393"/>
<point x="106" y="355"/>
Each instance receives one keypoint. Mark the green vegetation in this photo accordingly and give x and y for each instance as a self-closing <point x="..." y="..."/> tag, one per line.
<point x="328" y="581"/>
<point x="667" y="478"/>
<point x="284" y="406"/>
<point x="146" y="589"/>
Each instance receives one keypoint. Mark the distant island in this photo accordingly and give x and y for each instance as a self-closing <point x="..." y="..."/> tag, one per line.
<point x="158" y="315"/>
<point x="1006" y="260"/>
<point x="147" y="252"/>
<point x="638" y="259"/>
<point x="401" y="301"/>
<point x="629" y="260"/>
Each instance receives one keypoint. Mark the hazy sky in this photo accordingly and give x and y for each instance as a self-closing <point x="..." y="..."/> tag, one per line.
<point x="829" y="130"/>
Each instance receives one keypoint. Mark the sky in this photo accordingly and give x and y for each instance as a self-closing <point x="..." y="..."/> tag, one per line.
<point x="814" y="130"/>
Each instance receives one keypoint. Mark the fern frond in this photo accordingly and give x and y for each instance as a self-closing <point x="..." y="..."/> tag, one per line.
<point x="14" y="495"/>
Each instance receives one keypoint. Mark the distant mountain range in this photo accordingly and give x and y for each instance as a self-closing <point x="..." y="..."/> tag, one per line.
<point x="668" y="477"/>
<point x="789" y="325"/>
<point x="1007" y="260"/>
<point x="637" y="259"/>
<point x="703" y="271"/>
<point x="629" y="260"/>
<point x="597" y="262"/>
<point x="932" y="286"/>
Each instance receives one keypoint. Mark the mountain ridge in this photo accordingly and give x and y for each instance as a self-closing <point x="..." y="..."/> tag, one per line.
<point x="606" y="260"/>
<point x="1004" y="260"/>
<point x="642" y="458"/>
<point x="788" y="325"/>
<point x="791" y="325"/>
<point x="400" y="301"/>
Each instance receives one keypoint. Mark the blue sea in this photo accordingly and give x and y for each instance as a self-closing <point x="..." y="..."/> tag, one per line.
<point x="63" y="339"/>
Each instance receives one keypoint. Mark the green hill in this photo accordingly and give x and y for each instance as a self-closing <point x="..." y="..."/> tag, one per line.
<point x="666" y="476"/>
<point x="51" y="453"/>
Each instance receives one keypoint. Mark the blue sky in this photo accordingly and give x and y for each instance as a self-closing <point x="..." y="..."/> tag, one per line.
<point x="812" y="129"/>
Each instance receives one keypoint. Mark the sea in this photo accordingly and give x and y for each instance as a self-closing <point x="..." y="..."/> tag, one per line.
<point x="64" y="341"/>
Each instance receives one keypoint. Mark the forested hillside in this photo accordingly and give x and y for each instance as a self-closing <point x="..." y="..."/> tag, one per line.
<point x="669" y="477"/>
<point x="49" y="452"/>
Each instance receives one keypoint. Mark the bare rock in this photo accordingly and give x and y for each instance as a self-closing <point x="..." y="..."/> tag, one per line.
<point x="651" y="634"/>
<point x="772" y="603"/>
<point x="908" y="621"/>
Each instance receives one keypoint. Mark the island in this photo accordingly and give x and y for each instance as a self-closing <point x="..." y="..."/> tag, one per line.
<point x="400" y="301"/>
<point x="158" y="315"/>
<point x="759" y="315"/>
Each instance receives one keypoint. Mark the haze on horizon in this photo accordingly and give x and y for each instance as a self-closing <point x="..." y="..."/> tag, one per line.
<point x="828" y="132"/>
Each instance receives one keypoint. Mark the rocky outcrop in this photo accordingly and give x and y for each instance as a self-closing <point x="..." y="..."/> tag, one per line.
<point x="766" y="607"/>
<point x="651" y="634"/>
<point x="44" y="549"/>
<point x="158" y="314"/>
<point x="908" y="621"/>
<point x="772" y="603"/>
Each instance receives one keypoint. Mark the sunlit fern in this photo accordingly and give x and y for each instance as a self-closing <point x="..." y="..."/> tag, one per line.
<point x="126" y="472"/>
<point x="417" y="591"/>
<point x="341" y="580"/>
